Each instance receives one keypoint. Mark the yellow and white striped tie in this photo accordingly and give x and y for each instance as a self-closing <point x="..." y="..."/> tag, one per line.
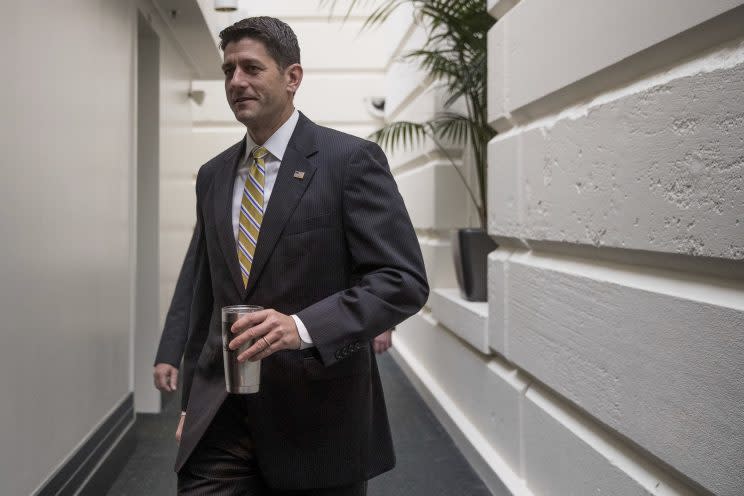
<point x="251" y="212"/>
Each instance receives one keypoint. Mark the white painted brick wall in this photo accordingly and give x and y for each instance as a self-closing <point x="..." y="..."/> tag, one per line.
<point x="437" y="252"/>
<point x="434" y="195"/>
<point x="497" y="299"/>
<point x="621" y="144"/>
<point x="404" y="80"/>
<point x="660" y="168"/>
<point x="466" y="319"/>
<point x="486" y="392"/>
<point x="565" y="455"/>
<point x="651" y="355"/>
<point x="578" y="38"/>
<point x="497" y="8"/>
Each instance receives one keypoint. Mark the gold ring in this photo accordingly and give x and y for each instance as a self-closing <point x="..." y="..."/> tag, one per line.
<point x="268" y="345"/>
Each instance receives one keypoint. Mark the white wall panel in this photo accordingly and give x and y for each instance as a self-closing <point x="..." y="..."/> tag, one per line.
<point x="497" y="96"/>
<point x="653" y="355"/>
<point x="466" y="319"/>
<point x="177" y="193"/>
<point x="505" y="186"/>
<point x="581" y="37"/>
<point x="208" y="142"/>
<point x="404" y="80"/>
<point x="440" y="269"/>
<point x="486" y="392"/>
<point x="497" y="299"/>
<point x="660" y="169"/>
<point x="345" y="41"/>
<point x="339" y="98"/>
<point x="435" y="196"/>
<point x="64" y="217"/>
<point x="306" y="9"/>
<point x="214" y="108"/>
<point x="565" y="453"/>
<point x="499" y="8"/>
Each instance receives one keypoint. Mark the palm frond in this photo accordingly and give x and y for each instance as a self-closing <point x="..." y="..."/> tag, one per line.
<point x="403" y="134"/>
<point x="452" y="127"/>
<point x="436" y="63"/>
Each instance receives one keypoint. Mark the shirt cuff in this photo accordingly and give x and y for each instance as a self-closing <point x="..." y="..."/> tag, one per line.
<point x="307" y="341"/>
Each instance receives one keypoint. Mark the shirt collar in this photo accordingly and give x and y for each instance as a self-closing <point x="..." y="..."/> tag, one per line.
<point x="277" y="143"/>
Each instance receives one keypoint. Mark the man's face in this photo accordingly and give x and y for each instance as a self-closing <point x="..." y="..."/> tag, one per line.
<point x="258" y="91"/>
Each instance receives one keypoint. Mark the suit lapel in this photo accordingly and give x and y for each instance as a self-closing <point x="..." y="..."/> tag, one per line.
<point x="295" y="174"/>
<point x="223" y="197"/>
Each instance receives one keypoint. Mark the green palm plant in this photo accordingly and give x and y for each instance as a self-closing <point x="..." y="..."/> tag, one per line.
<point x="454" y="55"/>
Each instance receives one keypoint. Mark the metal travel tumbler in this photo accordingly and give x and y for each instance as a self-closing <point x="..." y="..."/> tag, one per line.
<point x="240" y="378"/>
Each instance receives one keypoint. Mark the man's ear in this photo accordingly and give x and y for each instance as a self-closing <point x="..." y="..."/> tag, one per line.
<point x="293" y="76"/>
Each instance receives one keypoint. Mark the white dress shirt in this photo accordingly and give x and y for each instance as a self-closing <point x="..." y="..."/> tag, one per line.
<point x="276" y="146"/>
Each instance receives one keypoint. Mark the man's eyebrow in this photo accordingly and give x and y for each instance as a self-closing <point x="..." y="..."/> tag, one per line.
<point x="227" y="65"/>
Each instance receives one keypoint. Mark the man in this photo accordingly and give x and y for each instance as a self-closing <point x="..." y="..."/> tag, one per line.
<point x="175" y="330"/>
<point x="308" y="223"/>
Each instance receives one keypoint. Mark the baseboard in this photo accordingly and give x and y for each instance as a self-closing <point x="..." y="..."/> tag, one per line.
<point x="92" y="468"/>
<point x="489" y="466"/>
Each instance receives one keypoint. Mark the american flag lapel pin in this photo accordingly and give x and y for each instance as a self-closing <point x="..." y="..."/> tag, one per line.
<point x="299" y="175"/>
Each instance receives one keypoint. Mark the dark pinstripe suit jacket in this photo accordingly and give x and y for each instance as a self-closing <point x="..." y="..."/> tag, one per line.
<point x="175" y="330"/>
<point x="337" y="248"/>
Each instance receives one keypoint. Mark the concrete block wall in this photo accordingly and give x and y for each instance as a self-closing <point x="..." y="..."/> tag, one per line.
<point x="612" y="361"/>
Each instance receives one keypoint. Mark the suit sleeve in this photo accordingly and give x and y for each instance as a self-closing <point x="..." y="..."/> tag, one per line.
<point x="201" y="305"/>
<point x="175" y="330"/>
<point x="386" y="262"/>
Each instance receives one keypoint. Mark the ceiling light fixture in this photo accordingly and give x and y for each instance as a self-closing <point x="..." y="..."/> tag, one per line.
<point x="225" y="5"/>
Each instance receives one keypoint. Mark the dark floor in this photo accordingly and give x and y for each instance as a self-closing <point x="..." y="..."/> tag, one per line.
<point x="429" y="464"/>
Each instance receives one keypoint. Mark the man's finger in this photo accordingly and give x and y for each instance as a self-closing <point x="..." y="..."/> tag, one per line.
<point x="268" y="349"/>
<point x="255" y="332"/>
<point x="262" y="348"/>
<point x="249" y="320"/>
<point x="174" y="380"/>
<point x="179" y="429"/>
<point x="261" y="328"/>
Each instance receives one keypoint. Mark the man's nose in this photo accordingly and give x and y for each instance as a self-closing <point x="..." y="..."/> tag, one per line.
<point x="238" y="79"/>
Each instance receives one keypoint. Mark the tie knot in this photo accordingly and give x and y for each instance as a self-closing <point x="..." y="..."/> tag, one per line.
<point x="259" y="152"/>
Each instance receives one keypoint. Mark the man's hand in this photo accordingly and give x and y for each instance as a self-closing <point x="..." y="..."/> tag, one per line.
<point x="383" y="342"/>
<point x="179" y="429"/>
<point x="166" y="377"/>
<point x="272" y="331"/>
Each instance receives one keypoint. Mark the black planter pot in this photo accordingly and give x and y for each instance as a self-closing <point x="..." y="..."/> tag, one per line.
<point x="470" y="248"/>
